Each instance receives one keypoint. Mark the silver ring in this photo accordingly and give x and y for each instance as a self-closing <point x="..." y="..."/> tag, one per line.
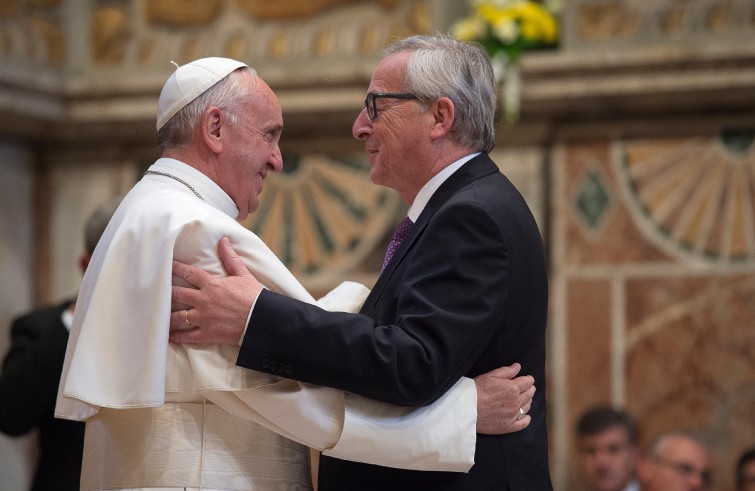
<point x="521" y="414"/>
<point x="186" y="318"/>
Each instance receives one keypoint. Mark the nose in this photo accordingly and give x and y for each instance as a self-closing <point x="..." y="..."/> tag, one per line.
<point x="362" y="127"/>
<point x="276" y="160"/>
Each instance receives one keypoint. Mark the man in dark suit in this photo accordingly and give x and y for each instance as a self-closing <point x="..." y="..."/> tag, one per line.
<point x="30" y="377"/>
<point x="464" y="292"/>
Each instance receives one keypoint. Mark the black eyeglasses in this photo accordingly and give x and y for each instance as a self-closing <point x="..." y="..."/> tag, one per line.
<point x="369" y="101"/>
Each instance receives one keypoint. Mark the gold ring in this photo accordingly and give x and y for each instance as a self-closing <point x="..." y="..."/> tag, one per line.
<point x="186" y="317"/>
<point x="521" y="414"/>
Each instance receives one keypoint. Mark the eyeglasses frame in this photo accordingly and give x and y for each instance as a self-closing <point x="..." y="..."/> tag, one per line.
<point x="383" y="95"/>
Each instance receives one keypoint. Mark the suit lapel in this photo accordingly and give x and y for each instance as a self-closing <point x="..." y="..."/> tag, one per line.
<point x="476" y="168"/>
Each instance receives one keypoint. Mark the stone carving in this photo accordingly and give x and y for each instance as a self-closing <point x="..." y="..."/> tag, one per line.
<point x="606" y="21"/>
<point x="52" y="38"/>
<point x="45" y="3"/>
<point x="110" y="34"/>
<point x="36" y="37"/>
<point x="183" y="13"/>
<point x="8" y="8"/>
<point x="290" y="9"/>
<point x="136" y="36"/>
<point x="662" y="19"/>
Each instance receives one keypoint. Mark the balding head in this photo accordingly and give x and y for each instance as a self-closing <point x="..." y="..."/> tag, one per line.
<point x="675" y="462"/>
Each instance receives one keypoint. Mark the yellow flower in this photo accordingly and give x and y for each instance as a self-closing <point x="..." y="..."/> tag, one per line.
<point x="509" y="21"/>
<point x="469" y="29"/>
<point x="507" y="30"/>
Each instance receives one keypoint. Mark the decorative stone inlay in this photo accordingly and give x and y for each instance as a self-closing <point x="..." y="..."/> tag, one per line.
<point x="669" y="20"/>
<point x="52" y="37"/>
<point x="592" y="199"/>
<point x="694" y="198"/>
<point x="291" y="9"/>
<point x="31" y="31"/>
<point x="323" y="216"/>
<point x="182" y="13"/>
<point x="110" y="34"/>
<point x="8" y="8"/>
<point x="606" y="21"/>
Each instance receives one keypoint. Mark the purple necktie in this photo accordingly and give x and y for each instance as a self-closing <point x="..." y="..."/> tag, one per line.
<point x="402" y="230"/>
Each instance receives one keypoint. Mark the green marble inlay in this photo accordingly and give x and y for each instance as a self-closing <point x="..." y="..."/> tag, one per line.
<point x="738" y="141"/>
<point x="592" y="200"/>
<point x="263" y="212"/>
<point x="314" y="213"/>
<point x="290" y="163"/>
<point x="354" y="209"/>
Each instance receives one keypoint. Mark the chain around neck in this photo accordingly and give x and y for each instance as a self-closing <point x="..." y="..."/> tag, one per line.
<point x="177" y="179"/>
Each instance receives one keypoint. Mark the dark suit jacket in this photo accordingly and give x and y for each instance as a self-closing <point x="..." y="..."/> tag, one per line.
<point x="28" y="389"/>
<point x="465" y="293"/>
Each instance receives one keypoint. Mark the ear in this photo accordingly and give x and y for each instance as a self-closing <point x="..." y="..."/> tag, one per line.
<point x="210" y="127"/>
<point x="443" y="113"/>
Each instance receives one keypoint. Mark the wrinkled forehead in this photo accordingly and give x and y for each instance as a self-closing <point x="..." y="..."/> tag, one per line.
<point x="390" y="72"/>
<point x="262" y="102"/>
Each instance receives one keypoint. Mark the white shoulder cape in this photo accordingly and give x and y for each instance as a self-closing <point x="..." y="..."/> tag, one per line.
<point x="119" y="356"/>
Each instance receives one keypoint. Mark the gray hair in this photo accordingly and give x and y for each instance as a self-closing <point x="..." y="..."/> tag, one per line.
<point x="659" y="444"/>
<point x="97" y="222"/>
<point x="445" y="67"/>
<point x="227" y="94"/>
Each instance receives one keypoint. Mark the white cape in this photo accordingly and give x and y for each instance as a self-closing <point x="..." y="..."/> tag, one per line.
<point x="119" y="356"/>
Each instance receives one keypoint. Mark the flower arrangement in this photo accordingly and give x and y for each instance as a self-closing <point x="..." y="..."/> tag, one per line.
<point x="506" y="29"/>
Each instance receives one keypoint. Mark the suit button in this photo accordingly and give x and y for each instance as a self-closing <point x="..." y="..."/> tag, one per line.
<point x="265" y="363"/>
<point x="289" y="368"/>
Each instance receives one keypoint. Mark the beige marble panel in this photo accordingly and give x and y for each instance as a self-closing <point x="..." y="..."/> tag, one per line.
<point x="589" y="344"/>
<point x="673" y="342"/>
<point x="691" y="361"/>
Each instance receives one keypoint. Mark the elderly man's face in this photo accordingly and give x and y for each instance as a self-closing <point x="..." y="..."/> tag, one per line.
<point x="396" y="140"/>
<point x="681" y="465"/>
<point x="607" y="459"/>
<point x="251" y="147"/>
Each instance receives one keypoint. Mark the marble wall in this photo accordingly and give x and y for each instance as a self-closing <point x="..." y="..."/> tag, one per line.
<point x="634" y="148"/>
<point x="653" y="262"/>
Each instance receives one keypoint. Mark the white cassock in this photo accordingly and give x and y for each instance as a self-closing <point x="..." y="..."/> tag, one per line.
<point x="164" y="415"/>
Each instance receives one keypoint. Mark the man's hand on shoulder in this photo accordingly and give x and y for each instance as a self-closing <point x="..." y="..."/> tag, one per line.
<point x="503" y="400"/>
<point x="217" y="308"/>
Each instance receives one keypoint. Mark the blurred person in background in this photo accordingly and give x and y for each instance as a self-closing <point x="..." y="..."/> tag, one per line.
<point x="607" y="450"/>
<point x="30" y="377"/>
<point x="746" y="471"/>
<point x="675" y="462"/>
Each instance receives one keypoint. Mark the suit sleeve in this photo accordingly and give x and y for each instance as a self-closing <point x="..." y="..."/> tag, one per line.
<point x="446" y="300"/>
<point x="439" y="437"/>
<point x="30" y="376"/>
